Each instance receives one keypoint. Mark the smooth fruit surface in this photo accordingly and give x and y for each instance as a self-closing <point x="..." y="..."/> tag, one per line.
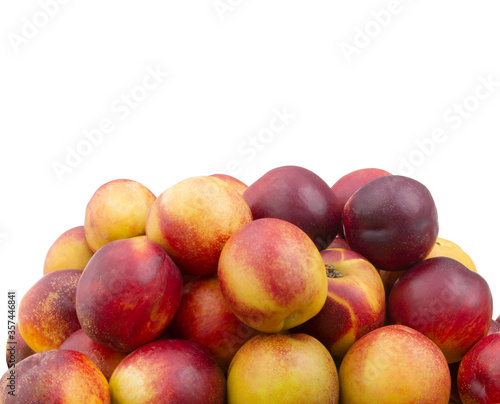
<point x="444" y="300"/>
<point x="204" y="317"/>
<point x="392" y="221"/>
<point x="272" y="275"/>
<point x="479" y="372"/>
<point x="116" y="211"/>
<point x="447" y="248"/>
<point x="193" y="219"/>
<point x="168" y="371"/>
<point x="298" y="196"/>
<point x="128" y="294"/>
<point x="278" y="368"/>
<point x="494" y="327"/>
<point x="69" y="251"/>
<point x="55" y="377"/>
<point x="351" y="182"/>
<point x="394" y="364"/>
<point x="106" y="359"/>
<point x="238" y="185"/>
<point x="355" y="304"/>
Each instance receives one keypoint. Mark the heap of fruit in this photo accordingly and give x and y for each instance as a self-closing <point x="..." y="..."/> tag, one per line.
<point x="284" y="291"/>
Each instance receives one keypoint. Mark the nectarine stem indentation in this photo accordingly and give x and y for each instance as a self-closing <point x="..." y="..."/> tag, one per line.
<point x="331" y="272"/>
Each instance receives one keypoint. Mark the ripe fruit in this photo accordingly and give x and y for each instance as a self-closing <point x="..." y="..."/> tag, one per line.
<point x="494" y="327"/>
<point x="392" y="221"/>
<point x="168" y="371"/>
<point x="479" y="372"/>
<point x="116" y="211"/>
<point x="128" y="294"/>
<point x="276" y="368"/>
<point x="351" y="182"/>
<point x="165" y="297"/>
<point x="389" y="278"/>
<point x="106" y="359"/>
<point x="193" y="219"/>
<point x="298" y="196"/>
<point x="69" y="251"/>
<point x="394" y="364"/>
<point x="204" y="317"/>
<point x="355" y="304"/>
<point x="234" y="182"/>
<point x="272" y="275"/>
<point x="445" y="301"/>
<point x="339" y="242"/>
<point x="47" y="313"/>
<point x="55" y="376"/>
<point x="446" y="248"/>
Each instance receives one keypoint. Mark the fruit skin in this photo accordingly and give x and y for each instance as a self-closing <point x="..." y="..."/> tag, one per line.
<point x="298" y="196"/>
<point x="47" y="313"/>
<point x="479" y="372"/>
<point x="351" y="182"/>
<point x="355" y="304"/>
<point x="276" y="368"/>
<point x="272" y="275"/>
<point x="69" y="251"/>
<point x="339" y="242"/>
<point x="392" y="221"/>
<point x="447" y="248"/>
<point x="494" y="327"/>
<point x="204" y="317"/>
<point x="193" y="219"/>
<point x="116" y="211"/>
<point x="389" y="278"/>
<point x="53" y="377"/>
<point x="168" y="371"/>
<point x="442" y="248"/>
<point x="394" y="364"/>
<point x="128" y="294"/>
<point x="17" y="349"/>
<point x="444" y="300"/>
<point x="106" y="359"/>
<point x="238" y="185"/>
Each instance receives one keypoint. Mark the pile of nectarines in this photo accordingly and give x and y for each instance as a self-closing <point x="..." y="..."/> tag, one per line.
<point x="285" y="291"/>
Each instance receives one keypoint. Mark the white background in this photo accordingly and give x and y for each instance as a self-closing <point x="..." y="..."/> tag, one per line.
<point x="229" y="70"/>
